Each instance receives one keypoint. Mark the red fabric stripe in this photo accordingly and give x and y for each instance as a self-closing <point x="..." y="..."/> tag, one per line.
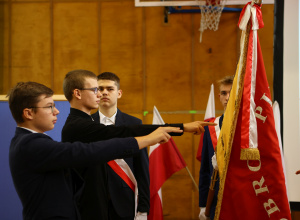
<point x="213" y="135"/>
<point x="156" y="211"/>
<point x="164" y="161"/>
<point x="121" y="173"/>
<point x="245" y="103"/>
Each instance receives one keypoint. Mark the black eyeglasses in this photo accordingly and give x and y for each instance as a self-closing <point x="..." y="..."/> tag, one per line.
<point x="94" y="89"/>
<point x="50" y="106"/>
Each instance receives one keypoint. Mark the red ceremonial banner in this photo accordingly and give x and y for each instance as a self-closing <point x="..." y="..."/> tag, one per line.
<point x="256" y="189"/>
<point x="252" y="186"/>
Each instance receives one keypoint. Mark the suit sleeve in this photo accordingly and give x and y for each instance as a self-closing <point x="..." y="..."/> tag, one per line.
<point x="141" y="167"/>
<point x="44" y="154"/>
<point x="90" y="131"/>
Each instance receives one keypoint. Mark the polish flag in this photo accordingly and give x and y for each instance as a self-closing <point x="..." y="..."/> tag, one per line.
<point x="164" y="160"/>
<point x="210" y="116"/>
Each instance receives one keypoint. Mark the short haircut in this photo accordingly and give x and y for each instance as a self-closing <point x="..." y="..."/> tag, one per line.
<point x="26" y="95"/>
<point x="227" y="80"/>
<point x="75" y="80"/>
<point x="109" y="76"/>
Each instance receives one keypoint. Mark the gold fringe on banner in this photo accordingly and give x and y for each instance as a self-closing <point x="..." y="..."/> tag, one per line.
<point x="250" y="154"/>
<point x="242" y="70"/>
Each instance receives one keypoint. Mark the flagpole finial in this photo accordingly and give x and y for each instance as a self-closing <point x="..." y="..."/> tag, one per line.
<point x="258" y="2"/>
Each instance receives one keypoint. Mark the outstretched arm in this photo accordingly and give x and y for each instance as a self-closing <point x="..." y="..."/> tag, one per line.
<point x="160" y="135"/>
<point x="196" y="127"/>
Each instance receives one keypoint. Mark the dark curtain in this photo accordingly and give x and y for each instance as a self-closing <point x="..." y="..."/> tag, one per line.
<point x="278" y="57"/>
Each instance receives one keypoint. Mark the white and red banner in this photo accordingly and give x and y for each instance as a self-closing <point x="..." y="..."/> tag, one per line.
<point x="210" y="116"/>
<point x="210" y="111"/>
<point x="252" y="182"/>
<point x="164" y="161"/>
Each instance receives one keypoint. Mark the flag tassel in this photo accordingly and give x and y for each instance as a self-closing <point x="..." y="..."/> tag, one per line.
<point x="250" y="154"/>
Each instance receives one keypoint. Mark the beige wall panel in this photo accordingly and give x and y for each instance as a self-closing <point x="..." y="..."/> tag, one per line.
<point x="168" y="60"/>
<point x="30" y="43"/>
<point x="215" y="57"/>
<point x="76" y="39"/>
<point x="4" y="49"/>
<point x="121" y="49"/>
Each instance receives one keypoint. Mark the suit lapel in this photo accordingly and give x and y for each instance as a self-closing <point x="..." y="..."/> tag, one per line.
<point x="119" y="118"/>
<point x="96" y="116"/>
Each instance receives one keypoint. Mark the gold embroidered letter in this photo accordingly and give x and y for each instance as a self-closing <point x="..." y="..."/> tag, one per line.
<point x="252" y="168"/>
<point x="259" y="116"/>
<point x="259" y="189"/>
<point x="266" y="98"/>
<point x="271" y="207"/>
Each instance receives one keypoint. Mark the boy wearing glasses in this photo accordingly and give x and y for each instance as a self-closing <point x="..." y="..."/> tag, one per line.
<point x="80" y="126"/>
<point x="41" y="167"/>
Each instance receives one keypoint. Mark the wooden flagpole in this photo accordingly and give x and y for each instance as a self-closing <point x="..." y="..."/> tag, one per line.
<point x="195" y="184"/>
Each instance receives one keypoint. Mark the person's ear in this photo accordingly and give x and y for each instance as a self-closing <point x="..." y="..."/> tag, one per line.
<point x="77" y="93"/>
<point x="28" y="113"/>
<point x="120" y="93"/>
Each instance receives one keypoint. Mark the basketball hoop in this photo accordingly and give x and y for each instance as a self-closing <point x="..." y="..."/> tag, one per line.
<point x="210" y="15"/>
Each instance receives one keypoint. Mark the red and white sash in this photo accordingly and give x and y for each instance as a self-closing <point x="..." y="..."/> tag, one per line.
<point x="123" y="170"/>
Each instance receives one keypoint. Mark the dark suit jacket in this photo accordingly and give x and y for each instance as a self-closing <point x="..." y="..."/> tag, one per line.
<point x="41" y="174"/>
<point x="206" y="171"/>
<point x="121" y="195"/>
<point x="80" y="126"/>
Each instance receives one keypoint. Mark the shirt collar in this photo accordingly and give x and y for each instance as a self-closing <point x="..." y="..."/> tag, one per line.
<point x="106" y="120"/>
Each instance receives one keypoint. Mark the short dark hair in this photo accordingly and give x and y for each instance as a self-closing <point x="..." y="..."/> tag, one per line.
<point x="75" y="79"/>
<point x="227" y="80"/>
<point x="109" y="76"/>
<point x="25" y="95"/>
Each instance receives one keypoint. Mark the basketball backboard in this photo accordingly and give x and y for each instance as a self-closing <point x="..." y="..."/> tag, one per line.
<point x="155" y="3"/>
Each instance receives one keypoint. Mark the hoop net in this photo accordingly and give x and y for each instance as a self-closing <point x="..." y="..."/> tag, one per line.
<point x="210" y="15"/>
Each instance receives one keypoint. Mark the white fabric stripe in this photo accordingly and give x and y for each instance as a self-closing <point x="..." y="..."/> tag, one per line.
<point x="255" y="25"/>
<point x="276" y="112"/>
<point x="245" y="18"/>
<point x="253" y="124"/>
<point x="210" y="111"/>
<point x="160" y="196"/>
<point x="157" y="120"/>
<point x="217" y="127"/>
<point x="124" y="166"/>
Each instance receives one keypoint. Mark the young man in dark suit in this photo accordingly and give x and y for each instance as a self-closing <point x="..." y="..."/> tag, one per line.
<point x="122" y="199"/>
<point x="81" y="90"/>
<point x="208" y="151"/>
<point x="41" y="167"/>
